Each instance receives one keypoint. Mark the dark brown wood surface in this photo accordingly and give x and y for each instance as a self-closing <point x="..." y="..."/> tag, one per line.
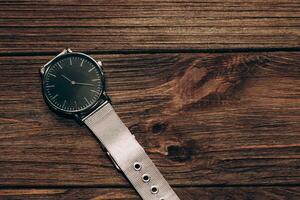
<point x="210" y="90"/>
<point x="232" y="193"/>
<point x="137" y="25"/>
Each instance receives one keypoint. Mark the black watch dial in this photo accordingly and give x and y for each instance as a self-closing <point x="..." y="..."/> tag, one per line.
<point x="73" y="83"/>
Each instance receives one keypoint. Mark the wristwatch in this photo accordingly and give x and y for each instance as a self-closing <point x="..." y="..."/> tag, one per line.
<point x="73" y="85"/>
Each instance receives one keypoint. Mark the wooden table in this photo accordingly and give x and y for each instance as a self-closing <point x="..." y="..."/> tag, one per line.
<point x="211" y="89"/>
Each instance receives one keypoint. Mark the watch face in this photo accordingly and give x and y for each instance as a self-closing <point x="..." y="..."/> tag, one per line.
<point x="73" y="83"/>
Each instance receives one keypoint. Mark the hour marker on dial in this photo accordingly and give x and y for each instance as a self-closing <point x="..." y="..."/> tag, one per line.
<point x="52" y="75"/>
<point x="55" y="96"/>
<point x="59" y="65"/>
<point x="86" y="100"/>
<point x="65" y="101"/>
<point x="91" y="69"/>
<point x="95" y="91"/>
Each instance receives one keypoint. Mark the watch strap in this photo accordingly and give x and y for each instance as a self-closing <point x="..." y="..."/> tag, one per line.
<point x="128" y="155"/>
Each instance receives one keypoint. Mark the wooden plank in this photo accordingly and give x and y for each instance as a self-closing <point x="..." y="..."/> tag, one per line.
<point x="192" y="193"/>
<point x="34" y="26"/>
<point x="229" y="119"/>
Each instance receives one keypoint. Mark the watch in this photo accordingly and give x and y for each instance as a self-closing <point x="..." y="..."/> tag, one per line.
<point x="73" y="85"/>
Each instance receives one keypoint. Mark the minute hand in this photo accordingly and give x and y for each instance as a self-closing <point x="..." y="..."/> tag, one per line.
<point x="85" y="84"/>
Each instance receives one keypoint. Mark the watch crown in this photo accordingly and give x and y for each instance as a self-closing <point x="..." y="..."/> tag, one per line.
<point x="99" y="63"/>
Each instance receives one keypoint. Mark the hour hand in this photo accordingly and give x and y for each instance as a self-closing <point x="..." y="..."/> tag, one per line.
<point x="66" y="78"/>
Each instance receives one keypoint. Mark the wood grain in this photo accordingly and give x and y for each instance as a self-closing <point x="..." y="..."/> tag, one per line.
<point x="191" y="193"/>
<point x="204" y="119"/>
<point x="100" y="26"/>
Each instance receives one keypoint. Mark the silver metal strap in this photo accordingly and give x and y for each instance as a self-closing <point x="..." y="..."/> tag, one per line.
<point x="128" y="155"/>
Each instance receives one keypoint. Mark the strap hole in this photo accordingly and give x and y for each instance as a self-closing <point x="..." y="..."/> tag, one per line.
<point x="137" y="166"/>
<point x="146" y="178"/>
<point x="154" y="189"/>
<point x="162" y="198"/>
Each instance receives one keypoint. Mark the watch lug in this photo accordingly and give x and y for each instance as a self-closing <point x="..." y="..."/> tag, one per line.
<point x="78" y="119"/>
<point x="63" y="52"/>
<point x="100" y="65"/>
<point x="42" y="70"/>
<point x="106" y="97"/>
